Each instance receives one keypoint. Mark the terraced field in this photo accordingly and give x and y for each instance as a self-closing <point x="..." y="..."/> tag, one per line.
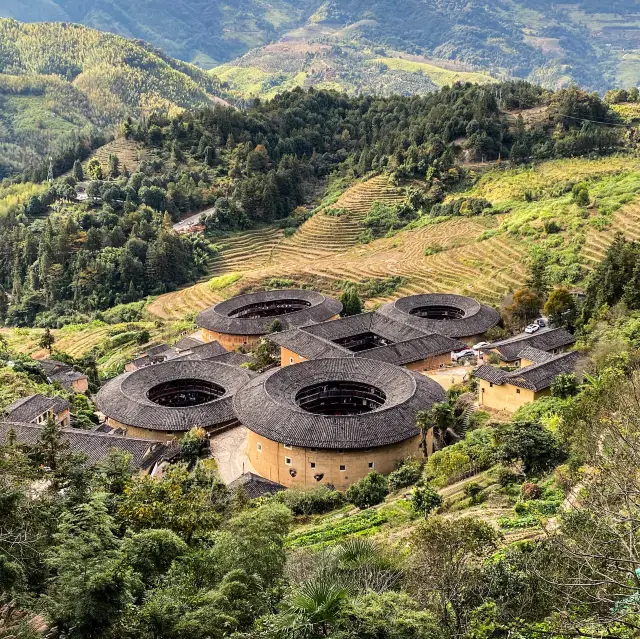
<point x="267" y="253"/>
<point x="626" y="220"/>
<point x="129" y="153"/>
<point x="483" y="256"/>
<point x="324" y="235"/>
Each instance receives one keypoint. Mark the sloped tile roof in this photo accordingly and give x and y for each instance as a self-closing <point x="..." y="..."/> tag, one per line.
<point x="221" y="317"/>
<point x="210" y="350"/>
<point x="413" y="350"/>
<point x="232" y="358"/>
<point x="186" y="343"/>
<point x="536" y="377"/>
<point x="534" y="355"/>
<point x="255" y="486"/>
<point x="96" y="446"/>
<point x="267" y="405"/>
<point x="547" y="340"/>
<point x="30" y="408"/>
<point x="309" y="346"/>
<point x="472" y="318"/>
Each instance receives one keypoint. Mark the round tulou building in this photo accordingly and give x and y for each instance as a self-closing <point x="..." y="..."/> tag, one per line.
<point x="165" y="401"/>
<point x="453" y="316"/>
<point x="243" y="320"/>
<point x="333" y="421"/>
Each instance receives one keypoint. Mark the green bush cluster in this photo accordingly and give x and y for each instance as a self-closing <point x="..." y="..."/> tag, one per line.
<point x="314" y="500"/>
<point x="408" y="473"/>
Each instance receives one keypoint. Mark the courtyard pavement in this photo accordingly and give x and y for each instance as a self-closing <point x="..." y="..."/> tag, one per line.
<point x="229" y="451"/>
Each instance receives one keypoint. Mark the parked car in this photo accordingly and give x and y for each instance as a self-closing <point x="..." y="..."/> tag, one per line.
<point x="541" y="322"/>
<point x="467" y="352"/>
<point x="479" y="345"/>
<point x="532" y="328"/>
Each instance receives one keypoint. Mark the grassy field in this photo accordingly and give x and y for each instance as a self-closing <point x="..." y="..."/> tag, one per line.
<point x="438" y="75"/>
<point x="81" y="339"/>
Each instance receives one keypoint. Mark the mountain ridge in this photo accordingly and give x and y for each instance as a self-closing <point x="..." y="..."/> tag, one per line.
<point x="539" y="40"/>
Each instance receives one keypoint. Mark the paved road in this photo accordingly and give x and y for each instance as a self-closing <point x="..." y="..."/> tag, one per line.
<point x="184" y="225"/>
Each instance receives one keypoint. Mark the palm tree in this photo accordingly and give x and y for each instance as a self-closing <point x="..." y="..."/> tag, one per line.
<point x="449" y="420"/>
<point x="312" y="609"/>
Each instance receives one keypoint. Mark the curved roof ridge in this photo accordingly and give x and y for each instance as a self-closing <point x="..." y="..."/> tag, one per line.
<point x="219" y="317"/>
<point x="477" y="318"/>
<point x="267" y="405"/>
<point x="125" y="398"/>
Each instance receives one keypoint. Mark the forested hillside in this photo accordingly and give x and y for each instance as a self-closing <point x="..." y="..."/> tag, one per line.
<point x="198" y="31"/>
<point x="58" y="81"/>
<point x="546" y="42"/>
<point x="63" y="260"/>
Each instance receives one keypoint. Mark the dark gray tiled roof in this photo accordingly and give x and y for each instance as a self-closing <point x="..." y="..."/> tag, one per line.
<point x="365" y="323"/>
<point x="60" y="372"/>
<point x="255" y="486"/>
<point x="125" y="397"/>
<point x="29" y="408"/>
<point x="155" y="351"/>
<point x="268" y="407"/>
<point x="536" y="377"/>
<point x="53" y="367"/>
<point x="218" y="318"/>
<point x="232" y="358"/>
<point x="509" y="349"/>
<point x="534" y="355"/>
<point x="490" y="374"/>
<point x="409" y="344"/>
<point x="186" y="343"/>
<point x="141" y="362"/>
<point x="309" y="346"/>
<point x="96" y="446"/>
<point x="206" y="351"/>
<point x="413" y="350"/>
<point x="477" y="318"/>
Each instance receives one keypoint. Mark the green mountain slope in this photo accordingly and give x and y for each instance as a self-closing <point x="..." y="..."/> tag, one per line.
<point x="349" y="44"/>
<point x="592" y="43"/>
<point x="201" y="31"/>
<point x="57" y="79"/>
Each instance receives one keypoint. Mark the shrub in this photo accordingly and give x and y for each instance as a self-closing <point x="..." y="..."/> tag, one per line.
<point x="425" y="500"/>
<point x="193" y="445"/>
<point x="530" y="490"/>
<point x="472" y="490"/>
<point x="369" y="491"/>
<point x="384" y="218"/>
<point x="565" y="385"/>
<point x="580" y="195"/>
<point x="313" y="500"/>
<point x="531" y="443"/>
<point x="406" y="475"/>
<point x="462" y="206"/>
<point x="507" y="476"/>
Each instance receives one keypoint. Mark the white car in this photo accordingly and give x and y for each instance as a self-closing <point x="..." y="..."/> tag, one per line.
<point x="532" y="328"/>
<point x="467" y="352"/>
<point x="479" y="345"/>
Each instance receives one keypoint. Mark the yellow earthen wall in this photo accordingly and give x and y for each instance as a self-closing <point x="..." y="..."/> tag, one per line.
<point x="506" y="397"/>
<point x="80" y="385"/>
<point x="286" y="356"/>
<point x="231" y="342"/>
<point x="270" y="462"/>
<point x="431" y="363"/>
